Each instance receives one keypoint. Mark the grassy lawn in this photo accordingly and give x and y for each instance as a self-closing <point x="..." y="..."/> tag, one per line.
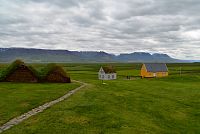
<point x="167" y="105"/>
<point x="16" y="99"/>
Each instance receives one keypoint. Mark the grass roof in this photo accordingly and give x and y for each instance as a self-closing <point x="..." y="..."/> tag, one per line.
<point x="109" y="69"/>
<point x="15" y="65"/>
<point x="50" y="68"/>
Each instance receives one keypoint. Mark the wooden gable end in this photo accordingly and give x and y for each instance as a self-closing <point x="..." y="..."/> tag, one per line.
<point x="56" y="77"/>
<point x="22" y="74"/>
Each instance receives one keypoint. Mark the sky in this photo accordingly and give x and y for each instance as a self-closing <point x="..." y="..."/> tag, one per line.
<point x="114" y="26"/>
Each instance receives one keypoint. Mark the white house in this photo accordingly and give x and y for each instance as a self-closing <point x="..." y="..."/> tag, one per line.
<point x="107" y="73"/>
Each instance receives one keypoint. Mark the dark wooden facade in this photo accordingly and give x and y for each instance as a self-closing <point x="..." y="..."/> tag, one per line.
<point x="22" y="74"/>
<point x="56" y="77"/>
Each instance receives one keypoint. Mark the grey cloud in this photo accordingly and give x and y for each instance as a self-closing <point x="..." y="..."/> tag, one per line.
<point x="60" y="3"/>
<point x="114" y="26"/>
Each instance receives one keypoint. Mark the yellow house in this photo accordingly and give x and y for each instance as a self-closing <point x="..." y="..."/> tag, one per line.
<point x="150" y="70"/>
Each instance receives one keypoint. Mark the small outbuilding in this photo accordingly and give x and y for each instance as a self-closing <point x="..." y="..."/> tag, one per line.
<point x="150" y="70"/>
<point x="56" y="74"/>
<point x="107" y="73"/>
<point x="18" y="71"/>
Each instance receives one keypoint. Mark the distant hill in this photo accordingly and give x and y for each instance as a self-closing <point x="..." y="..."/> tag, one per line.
<point x="44" y="55"/>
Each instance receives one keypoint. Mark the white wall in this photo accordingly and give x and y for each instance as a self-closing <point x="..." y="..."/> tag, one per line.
<point x="103" y="76"/>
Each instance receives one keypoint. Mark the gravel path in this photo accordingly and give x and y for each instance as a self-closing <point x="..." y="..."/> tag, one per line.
<point x="39" y="109"/>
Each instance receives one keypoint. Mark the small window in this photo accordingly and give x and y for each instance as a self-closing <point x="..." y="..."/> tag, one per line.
<point x="113" y="76"/>
<point x="102" y="77"/>
<point x="108" y="76"/>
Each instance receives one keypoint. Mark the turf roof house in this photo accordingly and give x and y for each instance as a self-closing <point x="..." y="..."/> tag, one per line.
<point x="150" y="70"/>
<point x="18" y="71"/>
<point x="56" y="74"/>
<point x="107" y="73"/>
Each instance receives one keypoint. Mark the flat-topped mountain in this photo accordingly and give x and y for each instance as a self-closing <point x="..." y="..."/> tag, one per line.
<point x="45" y="55"/>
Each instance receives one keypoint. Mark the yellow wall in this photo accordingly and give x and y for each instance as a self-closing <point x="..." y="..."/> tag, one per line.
<point x="146" y="74"/>
<point x="161" y="74"/>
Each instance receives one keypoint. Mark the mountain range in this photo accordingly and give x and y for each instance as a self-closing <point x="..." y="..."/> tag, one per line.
<point x="65" y="56"/>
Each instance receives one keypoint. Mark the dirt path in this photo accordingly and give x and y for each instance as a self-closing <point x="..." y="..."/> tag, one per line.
<point x="19" y="119"/>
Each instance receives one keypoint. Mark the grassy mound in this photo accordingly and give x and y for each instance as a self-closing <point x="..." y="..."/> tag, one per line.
<point x="52" y="68"/>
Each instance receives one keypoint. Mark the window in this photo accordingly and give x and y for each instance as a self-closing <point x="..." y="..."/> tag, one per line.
<point x="113" y="76"/>
<point x="108" y="76"/>
<point x="102" y="77"/>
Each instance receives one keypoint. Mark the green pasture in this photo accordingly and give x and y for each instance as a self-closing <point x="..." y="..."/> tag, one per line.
<point x="168" y="105"/>
<point x="16" y="98"/>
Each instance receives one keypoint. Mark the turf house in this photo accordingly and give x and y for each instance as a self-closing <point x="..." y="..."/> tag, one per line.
<point x="107" y="73"/>
<point x="18" y="71"/>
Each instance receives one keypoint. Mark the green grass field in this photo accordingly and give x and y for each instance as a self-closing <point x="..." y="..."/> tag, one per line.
<point x="158" y="106"/>
<point x="16" y="99"/>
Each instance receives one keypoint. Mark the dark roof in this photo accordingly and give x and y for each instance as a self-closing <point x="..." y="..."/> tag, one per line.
<point x="156" y="67"/>
<point x="109" y="69"/>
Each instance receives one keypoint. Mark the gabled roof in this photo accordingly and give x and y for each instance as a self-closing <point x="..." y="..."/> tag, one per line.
<point x="109" y="69"/>
<point x="156" y="67"/>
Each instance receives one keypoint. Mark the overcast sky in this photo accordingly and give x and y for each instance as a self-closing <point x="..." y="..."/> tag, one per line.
<point x="114" y="26"/>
